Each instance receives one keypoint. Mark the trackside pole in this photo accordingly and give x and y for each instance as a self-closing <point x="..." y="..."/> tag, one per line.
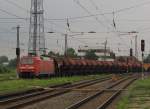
<point x="18" y="50"/>
<point x="142" y="49"/>
<point x="142" y="66"/>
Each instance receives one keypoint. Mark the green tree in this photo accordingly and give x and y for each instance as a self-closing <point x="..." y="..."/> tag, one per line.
<point x="13" y="63"/>
<point x="3" y="59"/>
<point x="91" y="55"/>
<point x="52" y="54"/>
<point x="4" y="69"/>
<point x="71" y="53"/>
<point x="147" y="59"/>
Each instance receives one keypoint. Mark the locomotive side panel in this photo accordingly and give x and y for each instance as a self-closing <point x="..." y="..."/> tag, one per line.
<point x="46" y="67"/>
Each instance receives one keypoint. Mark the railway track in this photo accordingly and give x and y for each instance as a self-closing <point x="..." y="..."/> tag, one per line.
<point x="19" y="94"/>
<point x="103" y="98"/>
<point x="65" y="100"/>
<point x="21" y="100"/>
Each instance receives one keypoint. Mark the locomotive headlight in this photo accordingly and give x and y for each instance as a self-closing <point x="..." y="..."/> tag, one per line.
<point x="22" y="68"/>
<point x="30" y="67"/>
<point x="27" y="68"/>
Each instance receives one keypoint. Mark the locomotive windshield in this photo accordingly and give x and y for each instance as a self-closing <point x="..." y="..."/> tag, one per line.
<point x="27" y="61"/>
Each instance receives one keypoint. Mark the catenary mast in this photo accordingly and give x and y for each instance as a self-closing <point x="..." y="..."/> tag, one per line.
<point x="36" y="32"/>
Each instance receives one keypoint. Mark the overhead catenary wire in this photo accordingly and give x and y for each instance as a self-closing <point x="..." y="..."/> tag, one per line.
<point x="12" y="14"/>
<point x="133" y="20"/>
<point x="87" y="11"/>
<point x="10" y="22"/>
<point x="100" y="12"/>
<point x="114" y="23"/>
<point x="18" y="6"/>
<point x="64" y="20"/>
<point x="14" y="18"/>
<point x="79" y="17"/>
<point x="104" y="13"/>
<point x="97" y="33"/>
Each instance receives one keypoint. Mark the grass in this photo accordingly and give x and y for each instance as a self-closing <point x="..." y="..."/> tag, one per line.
<point x="140" y="87"/>
<point x="23" y="84"/>
<point x="7" y="76"/>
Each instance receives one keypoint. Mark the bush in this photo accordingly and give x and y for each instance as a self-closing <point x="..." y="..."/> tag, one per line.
<point x="4" y="69"/>
<point x="12" y="63"/>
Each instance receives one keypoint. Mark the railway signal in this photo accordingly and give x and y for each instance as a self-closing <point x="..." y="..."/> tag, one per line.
<point x="131" y="52"/>
<point x="142" y="49"/>
<point x="142" y="45"/>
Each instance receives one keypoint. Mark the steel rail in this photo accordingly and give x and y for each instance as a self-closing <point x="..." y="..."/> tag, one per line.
<point x="14" y="96"/>
<point x="110" y="99"/>
<point x="38" y="97"/>
<point x="83" y="101"/>
<point x="26" y="93"/>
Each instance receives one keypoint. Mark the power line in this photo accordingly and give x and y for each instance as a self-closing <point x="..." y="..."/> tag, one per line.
<point x="100" y="12"/>
<point x="117" y="11"/>
<point x="95" y="17"/>
<point x="9" y="32"/>
<point x="11" y="14"/>
<point x="60" y="20"/>
<point x="131" y="7"/>
<point x="93" y="3"/>
<point x="18" y="6"/>
<point x="133" y="20"/>
<point x="11" y="22"/>
<point x="79" y="17"/>
<point x="12" y="18"/>
<point x="96" y="7"/>
<point x="78" y="40"/>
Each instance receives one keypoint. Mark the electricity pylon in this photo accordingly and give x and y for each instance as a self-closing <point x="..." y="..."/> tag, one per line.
<point x="36" y="32"/>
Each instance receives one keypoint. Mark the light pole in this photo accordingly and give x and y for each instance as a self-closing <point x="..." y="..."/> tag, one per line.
<point x="105" y="47"/>
<point x="66" y="44"/>
<point x="136" y="51"/>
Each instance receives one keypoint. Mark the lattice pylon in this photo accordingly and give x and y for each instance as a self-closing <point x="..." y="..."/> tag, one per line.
<point x="36" y="30"/>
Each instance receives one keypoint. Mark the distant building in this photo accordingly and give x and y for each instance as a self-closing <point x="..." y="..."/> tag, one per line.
<point x="99" y="51"/>
<point x="5" y="63"/>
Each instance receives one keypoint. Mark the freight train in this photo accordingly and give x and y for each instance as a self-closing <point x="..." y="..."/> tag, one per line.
<point x="35" y="66"/>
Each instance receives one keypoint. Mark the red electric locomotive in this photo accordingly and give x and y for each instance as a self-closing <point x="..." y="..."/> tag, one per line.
<point x="35" y="66"/>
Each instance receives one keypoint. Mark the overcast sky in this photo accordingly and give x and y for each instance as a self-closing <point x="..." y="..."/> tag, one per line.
<point x="133" y="16"/>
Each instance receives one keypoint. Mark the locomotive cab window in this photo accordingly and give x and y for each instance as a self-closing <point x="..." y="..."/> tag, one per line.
<point x="27" y="61"/>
